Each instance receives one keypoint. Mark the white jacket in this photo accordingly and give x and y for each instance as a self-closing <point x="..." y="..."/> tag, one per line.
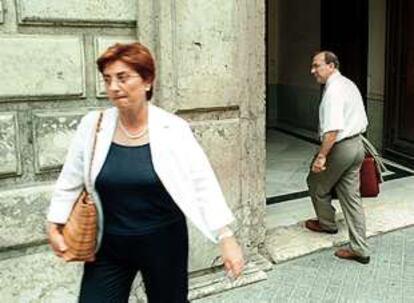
<point x="178" y="160"/>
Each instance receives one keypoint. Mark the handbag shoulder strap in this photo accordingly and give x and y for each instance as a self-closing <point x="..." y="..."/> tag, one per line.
<point x="371" y="150"/>
<point x="97" y="129"/>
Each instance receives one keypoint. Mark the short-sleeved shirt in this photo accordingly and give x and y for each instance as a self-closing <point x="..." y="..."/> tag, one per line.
<point x="134" y="200"/>
<point x="342" y="108"/>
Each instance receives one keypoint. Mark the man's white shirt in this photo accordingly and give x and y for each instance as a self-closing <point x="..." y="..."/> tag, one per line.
<point x="342" y="108"/>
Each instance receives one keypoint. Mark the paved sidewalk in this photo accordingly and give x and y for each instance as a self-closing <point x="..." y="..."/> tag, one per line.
<point x="321" y="277"/>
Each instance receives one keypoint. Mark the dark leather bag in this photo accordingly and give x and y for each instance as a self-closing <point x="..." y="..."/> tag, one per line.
<point x="369" y="178"/>
<point x="79" y="231"/>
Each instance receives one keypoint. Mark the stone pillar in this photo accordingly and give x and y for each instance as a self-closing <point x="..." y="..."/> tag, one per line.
<point x="210" y="70"/>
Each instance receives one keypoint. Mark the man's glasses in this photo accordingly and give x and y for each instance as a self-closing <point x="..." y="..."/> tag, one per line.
<point x="316" y="66"/>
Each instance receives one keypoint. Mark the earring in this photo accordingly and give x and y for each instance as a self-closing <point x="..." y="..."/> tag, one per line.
<point x="148" y="88"/>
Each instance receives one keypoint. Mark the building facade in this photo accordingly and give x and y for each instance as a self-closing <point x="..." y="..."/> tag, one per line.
<point x="210" y="71"/>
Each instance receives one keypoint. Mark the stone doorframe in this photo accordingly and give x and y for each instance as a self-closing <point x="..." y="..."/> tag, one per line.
<point x="210" y="70"/>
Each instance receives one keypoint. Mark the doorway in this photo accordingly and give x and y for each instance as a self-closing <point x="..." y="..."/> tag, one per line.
<point x="344" y="30"/>
<point x="399" y="92"/>
<point x="296" y="29"/>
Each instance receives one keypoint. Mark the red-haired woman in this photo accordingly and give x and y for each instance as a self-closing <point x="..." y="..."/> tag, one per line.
<point x="148" y="174"/>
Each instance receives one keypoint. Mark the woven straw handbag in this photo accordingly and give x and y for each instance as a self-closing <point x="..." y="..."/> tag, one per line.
<point x="79" y="231"/>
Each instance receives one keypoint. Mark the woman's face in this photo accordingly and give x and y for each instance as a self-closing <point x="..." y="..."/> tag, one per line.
<point x="123" y="85"/>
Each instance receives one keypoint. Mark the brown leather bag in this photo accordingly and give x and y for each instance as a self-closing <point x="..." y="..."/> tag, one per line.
<point x="79" y="231"/>
<point x="369" y="178"/>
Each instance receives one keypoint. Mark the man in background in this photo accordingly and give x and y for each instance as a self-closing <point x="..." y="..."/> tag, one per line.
<point x="336" y="166"/>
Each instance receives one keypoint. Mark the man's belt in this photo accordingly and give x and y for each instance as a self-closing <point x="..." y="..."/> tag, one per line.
<point x="348" y="138"/>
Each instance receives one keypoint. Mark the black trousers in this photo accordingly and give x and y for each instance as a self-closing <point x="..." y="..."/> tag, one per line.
<point x="161" y="257"/>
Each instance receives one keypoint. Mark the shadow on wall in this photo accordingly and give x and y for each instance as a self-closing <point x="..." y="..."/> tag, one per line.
<point x="291" y="105"/>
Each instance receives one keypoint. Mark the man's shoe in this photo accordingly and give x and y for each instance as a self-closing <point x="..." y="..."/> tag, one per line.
<point x="314" y="225"/>
<point x="346" y="253"/>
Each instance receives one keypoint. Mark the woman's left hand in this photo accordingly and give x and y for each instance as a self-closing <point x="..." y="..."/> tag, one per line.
<point x="232" y="256"/>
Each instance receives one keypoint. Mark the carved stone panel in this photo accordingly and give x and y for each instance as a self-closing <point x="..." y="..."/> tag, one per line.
<point x="91" y="12"/>
<point x="208" y="66"/>
<point x="38" y="67"/>
<point x="39" y="276"/>
<point x="53" y="132"/>
<point x="9" y="143"/>
<point x="23" y="215"/>
<point x="221" y="142"/>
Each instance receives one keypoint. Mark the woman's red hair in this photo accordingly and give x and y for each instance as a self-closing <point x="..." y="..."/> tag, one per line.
<point x="135" y="55"/>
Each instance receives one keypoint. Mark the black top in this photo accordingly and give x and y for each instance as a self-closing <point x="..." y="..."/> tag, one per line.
<point x="134" y="200"/>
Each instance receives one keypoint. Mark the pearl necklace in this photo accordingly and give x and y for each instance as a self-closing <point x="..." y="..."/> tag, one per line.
<point x="129" y="135"/>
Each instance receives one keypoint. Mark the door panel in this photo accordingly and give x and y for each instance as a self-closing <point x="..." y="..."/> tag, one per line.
<point x="407" y="101"/>
<point x="399" y="98"/>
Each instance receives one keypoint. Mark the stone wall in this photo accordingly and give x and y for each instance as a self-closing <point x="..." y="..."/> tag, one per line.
<point x="210" y="58"/>
<point x="210" y="71"/>
<point x="48" y="82"/>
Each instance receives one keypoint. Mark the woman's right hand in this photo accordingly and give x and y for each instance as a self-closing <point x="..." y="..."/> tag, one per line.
<point x="55" y="237"/>
<point x="232" y="256"/>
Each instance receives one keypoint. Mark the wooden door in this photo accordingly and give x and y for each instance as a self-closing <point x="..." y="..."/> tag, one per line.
<point x="399" y="95"/>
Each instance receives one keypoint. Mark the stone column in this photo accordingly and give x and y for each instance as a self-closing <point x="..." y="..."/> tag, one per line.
<point x="210" y="70"/>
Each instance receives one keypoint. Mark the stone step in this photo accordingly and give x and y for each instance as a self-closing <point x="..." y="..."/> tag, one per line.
<point x="217" y="282"/>
<point x="393" y="209"/>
